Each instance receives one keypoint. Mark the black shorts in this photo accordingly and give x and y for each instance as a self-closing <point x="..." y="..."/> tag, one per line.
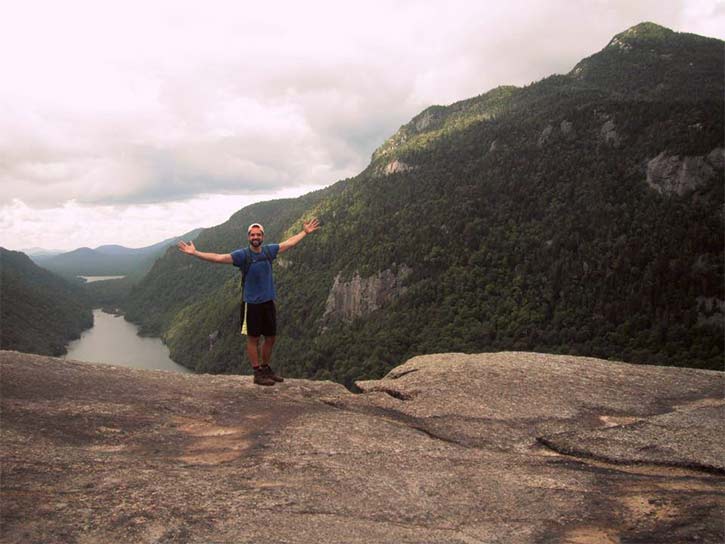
<point x="262" y="319"/>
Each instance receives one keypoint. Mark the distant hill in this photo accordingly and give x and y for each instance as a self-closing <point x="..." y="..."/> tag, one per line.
<point x="33" y="252"/>
<point x="41" y="312"/>
<point x="108" y="260"/>
<point x="581" y="214"/>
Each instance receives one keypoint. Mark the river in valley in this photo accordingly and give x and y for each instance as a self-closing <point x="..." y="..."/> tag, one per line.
<point x="113" y="340"/>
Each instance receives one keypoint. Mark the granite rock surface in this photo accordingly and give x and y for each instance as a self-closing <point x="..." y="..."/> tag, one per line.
<point x="489" y="448"/>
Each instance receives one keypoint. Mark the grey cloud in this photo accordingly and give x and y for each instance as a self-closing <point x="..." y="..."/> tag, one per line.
<point x="258" y="116"/>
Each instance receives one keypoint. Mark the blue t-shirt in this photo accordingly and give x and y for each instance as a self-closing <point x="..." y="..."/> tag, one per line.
<point x="259" y="285"/>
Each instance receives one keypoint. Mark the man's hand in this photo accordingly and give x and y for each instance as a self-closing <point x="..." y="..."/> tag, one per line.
<point x="311" y="226"/>
<point x="308" y="227"/>
<point x="186" y="248"/>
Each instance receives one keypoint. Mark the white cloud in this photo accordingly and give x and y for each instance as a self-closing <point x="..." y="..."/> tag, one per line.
<point x="145" y="103"/>
<point x="67" y="227"/>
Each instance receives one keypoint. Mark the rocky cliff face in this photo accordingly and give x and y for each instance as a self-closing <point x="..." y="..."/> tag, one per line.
<point x="673" y="174"/>
<point x="396" y="167"/>
<point x="495" y="448"/>
<point x="360" y="296"/>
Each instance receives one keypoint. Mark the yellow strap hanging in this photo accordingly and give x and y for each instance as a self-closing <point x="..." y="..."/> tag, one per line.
<point x="244" y="322"/>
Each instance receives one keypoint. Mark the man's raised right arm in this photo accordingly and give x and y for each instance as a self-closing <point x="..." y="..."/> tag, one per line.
<point x="189" y="249"/>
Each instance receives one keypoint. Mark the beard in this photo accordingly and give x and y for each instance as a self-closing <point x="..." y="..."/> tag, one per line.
<point x="255" y="243"/>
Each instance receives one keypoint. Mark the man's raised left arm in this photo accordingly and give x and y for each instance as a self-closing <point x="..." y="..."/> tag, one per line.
<point x="292" y="241"/>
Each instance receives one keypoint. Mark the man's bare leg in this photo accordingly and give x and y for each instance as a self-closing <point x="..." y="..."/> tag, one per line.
<point x="253" y="350"/>
<point x="260" y="374"/>
<point x="267" y="349"/>
<point x="267" y="357"/>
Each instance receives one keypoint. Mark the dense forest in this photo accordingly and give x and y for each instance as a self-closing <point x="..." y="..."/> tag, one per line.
<point x="41" y="312"/>
<point x="581" y="214"/>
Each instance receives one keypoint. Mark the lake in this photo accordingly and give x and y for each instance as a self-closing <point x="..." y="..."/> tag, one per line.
<point x="91" y="279"/>
<point x="113" y="340"/>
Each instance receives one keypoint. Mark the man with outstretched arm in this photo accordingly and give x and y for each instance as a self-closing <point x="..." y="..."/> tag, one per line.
<point x="255" y="262"/>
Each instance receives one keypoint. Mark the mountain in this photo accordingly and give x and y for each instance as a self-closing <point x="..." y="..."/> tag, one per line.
<point x="113" y="249"/>
<point x="33" y="252"/>
<point x="41" y="312"/>
<point x="651" y="62"/>
<point x="581" y="214"/>
<point x="109" y="260"/>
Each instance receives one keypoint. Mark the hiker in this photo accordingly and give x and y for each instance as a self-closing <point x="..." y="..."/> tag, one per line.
<point x="255" y="263"/>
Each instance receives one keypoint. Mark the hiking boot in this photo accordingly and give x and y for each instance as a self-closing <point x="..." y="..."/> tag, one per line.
<point x="262" y="378"/>
<point x="270" y="373"/>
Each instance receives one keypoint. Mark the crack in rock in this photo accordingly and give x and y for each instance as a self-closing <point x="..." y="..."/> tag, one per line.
<point x="398" y="417"/>
<point x="401" y="374"/>
<point x="584" y="455"/>
<point x="397" y="394"/>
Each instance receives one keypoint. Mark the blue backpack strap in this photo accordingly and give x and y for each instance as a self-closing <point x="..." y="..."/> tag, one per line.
<point x="267" y="253"/>
<point x="247" y="262"/>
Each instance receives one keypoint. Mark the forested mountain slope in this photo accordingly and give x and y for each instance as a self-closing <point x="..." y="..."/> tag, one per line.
<point x="581" y="214"/>
<point x="41" y="312"/>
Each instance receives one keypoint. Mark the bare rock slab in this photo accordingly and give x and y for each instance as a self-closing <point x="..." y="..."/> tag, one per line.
<point x="494" y="448"/>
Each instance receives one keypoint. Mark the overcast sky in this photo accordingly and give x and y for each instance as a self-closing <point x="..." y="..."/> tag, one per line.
<point x="130" y="122"/>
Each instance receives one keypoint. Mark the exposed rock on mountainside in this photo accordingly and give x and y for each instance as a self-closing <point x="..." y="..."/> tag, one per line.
<point x="669" y="174"/>
<point x="567" y="128"/>
<point x="504" y="447"/>
<point x="395" y="167"/>
<point x="609" y="134"/>
<point x="545" y="135"/>
<point x="360" y="296"/>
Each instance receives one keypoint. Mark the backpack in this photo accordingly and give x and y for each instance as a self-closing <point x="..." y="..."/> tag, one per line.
<point x="245" y="270"/>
